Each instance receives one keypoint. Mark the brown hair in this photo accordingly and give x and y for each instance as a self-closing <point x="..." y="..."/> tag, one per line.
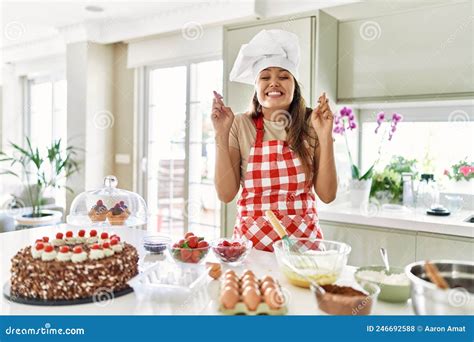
<point x="298" y="132"/>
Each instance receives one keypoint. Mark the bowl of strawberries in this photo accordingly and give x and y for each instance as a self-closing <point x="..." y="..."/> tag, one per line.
<point x="231" y="251"/>
<point x="191" y="249"/>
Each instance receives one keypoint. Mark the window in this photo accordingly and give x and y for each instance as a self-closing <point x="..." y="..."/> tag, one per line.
<point x="47" y="117"/>
<point x="180" y="149"/>
<point x="424" y="136"/>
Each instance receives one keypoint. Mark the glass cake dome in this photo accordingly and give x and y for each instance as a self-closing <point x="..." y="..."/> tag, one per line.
<point x="108" y="206"/>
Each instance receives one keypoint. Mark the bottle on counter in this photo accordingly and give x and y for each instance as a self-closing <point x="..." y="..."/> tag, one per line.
<point x="408" y="190"/>
<point x="428" y="192"/>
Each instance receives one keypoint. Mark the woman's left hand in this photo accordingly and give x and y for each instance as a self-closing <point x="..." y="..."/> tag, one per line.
<point x="322" y="119"/>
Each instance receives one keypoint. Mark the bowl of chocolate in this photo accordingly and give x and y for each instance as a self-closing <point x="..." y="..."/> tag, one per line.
<point x="346" y="300"/>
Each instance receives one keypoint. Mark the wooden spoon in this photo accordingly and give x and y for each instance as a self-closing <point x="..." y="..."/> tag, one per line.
<point x="433" y="274"/>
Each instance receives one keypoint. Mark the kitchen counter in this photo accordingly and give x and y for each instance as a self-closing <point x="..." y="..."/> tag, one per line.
<point x="204" y="302"/>
<point x="410" y="220"/>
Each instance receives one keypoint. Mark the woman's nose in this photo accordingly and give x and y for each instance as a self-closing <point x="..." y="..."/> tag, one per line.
<point x="274" y="83"/>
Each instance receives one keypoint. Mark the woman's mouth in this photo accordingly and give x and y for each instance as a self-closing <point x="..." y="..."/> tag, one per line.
<point x="274" y="94"/>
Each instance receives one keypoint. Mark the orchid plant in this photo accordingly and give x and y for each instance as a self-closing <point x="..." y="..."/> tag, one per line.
<point x="345" y="120"/>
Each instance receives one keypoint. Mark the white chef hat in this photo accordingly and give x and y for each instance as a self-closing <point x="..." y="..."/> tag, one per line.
<point x="269" y="48"/>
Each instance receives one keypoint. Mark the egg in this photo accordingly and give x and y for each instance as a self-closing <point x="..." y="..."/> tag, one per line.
<point x="213" y="266"/>
<point x="215" y="273"/>
<point x="274" y="298"/>
<point x="267" y="285"/>
<point x="251" y="298"/>
<point x="229" y="297"/>
<point x="250" y="283"/>
<point x="230" y="283"/>
<point x="230" y="272"/>
<point x="231" y="277"/>
<point x="267" y="278"/>
<point x="249" y="278"/>
<point x="247" y="271"/>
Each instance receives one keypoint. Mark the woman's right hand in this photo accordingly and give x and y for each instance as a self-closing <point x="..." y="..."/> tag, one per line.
<point x="222" y="117"/>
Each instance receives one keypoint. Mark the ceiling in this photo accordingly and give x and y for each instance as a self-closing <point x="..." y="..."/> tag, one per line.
<point x="32" y="21"/>
<point x="24" y="21"/>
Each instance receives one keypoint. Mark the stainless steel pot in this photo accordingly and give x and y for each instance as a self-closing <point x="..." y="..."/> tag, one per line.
<point x="428" y="299"/>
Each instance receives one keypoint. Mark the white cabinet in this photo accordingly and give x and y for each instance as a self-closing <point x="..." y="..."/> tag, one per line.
<point x="423" y="53"/>
<point x="437" y="246"/>
<point x="366" y="242"/>
<point x="403" y="246"/>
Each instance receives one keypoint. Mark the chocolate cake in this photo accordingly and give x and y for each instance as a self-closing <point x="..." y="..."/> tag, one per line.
<point x="74" y="267"/>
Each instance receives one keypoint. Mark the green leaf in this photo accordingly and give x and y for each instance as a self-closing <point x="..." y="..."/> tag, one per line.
<point x="8" y="172"/>
<point x="368" y="174"/>
<point x="355" y="172"/>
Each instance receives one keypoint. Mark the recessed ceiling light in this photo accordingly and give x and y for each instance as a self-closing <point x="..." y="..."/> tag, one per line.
<point x="94" y="9"/>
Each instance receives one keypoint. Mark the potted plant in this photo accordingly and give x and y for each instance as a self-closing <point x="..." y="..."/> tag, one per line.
<point x="461" y="176"/>
<point x="361" y="183"/>
<point x="39" y="173"/>
<point x="387" y="186"/>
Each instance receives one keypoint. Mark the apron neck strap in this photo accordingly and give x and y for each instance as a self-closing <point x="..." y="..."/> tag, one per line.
<point x="258" y="121"/>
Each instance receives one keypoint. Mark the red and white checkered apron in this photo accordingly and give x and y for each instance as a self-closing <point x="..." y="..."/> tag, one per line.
<point x="275" y="180"/>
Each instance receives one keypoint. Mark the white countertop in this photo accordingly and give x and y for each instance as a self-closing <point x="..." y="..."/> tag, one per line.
<point x="411" y="220"/>
<point x="204" y="302"/>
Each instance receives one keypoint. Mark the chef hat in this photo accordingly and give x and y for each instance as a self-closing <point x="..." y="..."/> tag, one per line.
<point x="269" y="48"/>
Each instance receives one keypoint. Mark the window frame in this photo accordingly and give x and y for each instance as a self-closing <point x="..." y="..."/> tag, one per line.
<point x="142" y="87"/>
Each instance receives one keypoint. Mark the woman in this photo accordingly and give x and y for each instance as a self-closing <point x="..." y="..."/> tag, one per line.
<point x="279" y="150"/>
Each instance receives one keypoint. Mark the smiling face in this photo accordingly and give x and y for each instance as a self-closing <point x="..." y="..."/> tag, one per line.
<point x="275" y="88"/>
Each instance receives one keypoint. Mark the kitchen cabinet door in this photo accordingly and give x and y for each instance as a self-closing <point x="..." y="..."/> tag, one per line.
<point x="366" y="243"/>
<point x="239" y="95"/>
<point x="423" y="53"/>
<point x="437" y="246"/>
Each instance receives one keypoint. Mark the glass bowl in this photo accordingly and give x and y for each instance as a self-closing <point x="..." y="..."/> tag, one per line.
<point x="156" y="244"/>
<point x="308" y="260"/>
<point x="332" y="300"/>
<point x="108" y="206"/>
<point x="189" y="255"/>
<point x="231" y="251"/>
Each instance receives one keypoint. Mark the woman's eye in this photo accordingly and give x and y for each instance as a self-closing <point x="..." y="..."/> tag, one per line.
<point x="284" y="77"/>
<point x="264" y="78"/>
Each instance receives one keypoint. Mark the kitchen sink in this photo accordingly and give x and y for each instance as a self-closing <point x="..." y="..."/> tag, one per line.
<point x="470" y="219"/>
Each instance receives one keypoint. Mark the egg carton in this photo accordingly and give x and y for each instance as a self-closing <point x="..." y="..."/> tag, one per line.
<point x="262" y="309"/>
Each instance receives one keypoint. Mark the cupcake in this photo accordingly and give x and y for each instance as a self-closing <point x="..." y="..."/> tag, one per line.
<point x="124" y="207"/>
<point x="117" y="215"/>
<point x="98" y="212"/>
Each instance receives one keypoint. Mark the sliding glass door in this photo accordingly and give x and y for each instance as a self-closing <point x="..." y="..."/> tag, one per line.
<point x="180" y="149"/>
